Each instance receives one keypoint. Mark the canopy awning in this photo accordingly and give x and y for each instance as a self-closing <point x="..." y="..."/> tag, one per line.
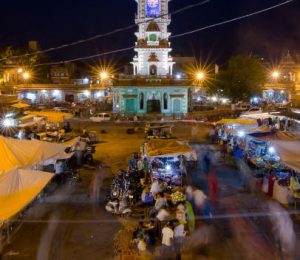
<point x="52" y="116"/>
<point x="18" y="188"/>
<point x="20" y="105"/>
<point x="168" y="148"/>
<point x="289" y="153"/>
<point x="275" y="135"/>
<point x="24" y="153"/>
<point x="237" y="121"/>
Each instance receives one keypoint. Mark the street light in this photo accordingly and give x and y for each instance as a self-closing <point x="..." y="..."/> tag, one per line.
<point x="200" y="75"/>
<point x="20" y="70"/>
<point x="275" y="74"/>
<point x="26" y="75"/>
<point x="103" y="75"/>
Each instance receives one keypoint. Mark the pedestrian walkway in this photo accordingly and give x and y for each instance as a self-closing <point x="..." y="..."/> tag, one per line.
<point x="241" y="219"/>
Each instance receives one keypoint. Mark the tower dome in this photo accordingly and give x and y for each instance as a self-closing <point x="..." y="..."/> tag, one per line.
<point x="153" y="27"/>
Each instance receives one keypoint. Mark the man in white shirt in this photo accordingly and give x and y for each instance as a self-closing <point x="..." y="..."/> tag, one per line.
<point x="167" y="242"/>
<point x="155" y="187"/>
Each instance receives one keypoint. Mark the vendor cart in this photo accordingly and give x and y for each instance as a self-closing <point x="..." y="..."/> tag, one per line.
<point x="158" y="132"/>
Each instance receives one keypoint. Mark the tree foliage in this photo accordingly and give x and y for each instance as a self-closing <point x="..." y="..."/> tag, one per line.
<point x="25" y="58"/>
<point x="242" y="78"/>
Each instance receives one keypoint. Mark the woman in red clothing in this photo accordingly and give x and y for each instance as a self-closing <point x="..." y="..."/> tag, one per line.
<point x="213" y="185"/>
<point x="271" y="180"/>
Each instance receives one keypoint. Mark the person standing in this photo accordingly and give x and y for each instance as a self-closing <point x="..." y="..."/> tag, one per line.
<point x="167" y="242"/>
<point x="213" y="185"/>
<point x="283" y="230"/>
<point x="179" y="235"/>
<point x="271" y="180"/>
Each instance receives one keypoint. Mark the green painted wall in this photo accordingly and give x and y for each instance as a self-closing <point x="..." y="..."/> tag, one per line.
<point x="138" y="99"/>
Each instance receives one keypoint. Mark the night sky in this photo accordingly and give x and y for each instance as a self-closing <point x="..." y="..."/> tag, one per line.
<point x="55" y="22"/>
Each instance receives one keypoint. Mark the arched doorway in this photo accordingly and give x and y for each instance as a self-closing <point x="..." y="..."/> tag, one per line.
<point x="153" y="70"/>
<point x="153" y="104"/>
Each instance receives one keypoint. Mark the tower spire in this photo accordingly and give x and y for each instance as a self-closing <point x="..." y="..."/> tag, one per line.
<point x="153" y="39"/>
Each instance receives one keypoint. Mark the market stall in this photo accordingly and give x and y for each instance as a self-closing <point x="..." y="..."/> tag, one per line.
<point x="152" y="189"/>
<point x="18" y="188"/>
<point x="277" y="154"/>
<point x="52" y="116"/>
<point x="260" y="147"/>
<point x="20" y="105"/>
<point x="27" y="153"/>
<point x="168" y="159"/>
<point x="158" y="132"/>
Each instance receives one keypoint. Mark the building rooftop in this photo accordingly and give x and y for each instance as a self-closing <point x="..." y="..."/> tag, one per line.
<point x="151" y="82"/>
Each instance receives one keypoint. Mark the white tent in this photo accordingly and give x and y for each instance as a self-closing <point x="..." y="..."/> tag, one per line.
<point x="289" y="152"/>
<point x="26" y="153"/>
<point x="18" y="188"/>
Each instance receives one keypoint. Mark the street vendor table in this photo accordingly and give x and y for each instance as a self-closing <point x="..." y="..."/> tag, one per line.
<point x="282" y="194"/>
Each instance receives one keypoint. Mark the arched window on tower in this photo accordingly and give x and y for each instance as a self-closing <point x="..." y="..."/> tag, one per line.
<point x="165" y="101"/>
<point x="142" y="101"/>
<point x="153" y="70"/>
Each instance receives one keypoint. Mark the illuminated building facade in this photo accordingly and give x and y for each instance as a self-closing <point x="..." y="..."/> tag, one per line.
<point x="152" y="88"/>
<point x="153" y="46"/>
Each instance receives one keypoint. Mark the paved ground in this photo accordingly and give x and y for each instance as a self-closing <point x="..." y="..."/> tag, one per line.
<point x="70" y="225"/>
<point x="241" y="228"/>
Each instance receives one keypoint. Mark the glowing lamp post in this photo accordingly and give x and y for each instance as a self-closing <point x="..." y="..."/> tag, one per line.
<point x="275" y="75"/>
<point x="26" y="75"/>
<point x="103" y="75"/>
<point x="200" y="76"/>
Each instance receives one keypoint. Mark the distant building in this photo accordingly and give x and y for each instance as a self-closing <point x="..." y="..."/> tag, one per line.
<point x="33" y="46"/>
<point x="285" y="86"/>
<point x="61" y="73"/>
<point x="13" y="69"/>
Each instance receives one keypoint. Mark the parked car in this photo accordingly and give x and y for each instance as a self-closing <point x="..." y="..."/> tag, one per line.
<point x="63" y="110"/>
<point x="100" y="117"/>
<point x="242" y="106"/>
<point x="253" y="110"/>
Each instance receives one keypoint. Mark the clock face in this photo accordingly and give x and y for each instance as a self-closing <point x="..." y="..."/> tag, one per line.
<point x="152" y="8"/>
<point x="152" y="3"/>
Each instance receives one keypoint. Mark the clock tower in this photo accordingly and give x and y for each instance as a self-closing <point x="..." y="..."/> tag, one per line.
<point x="153" y="46"/>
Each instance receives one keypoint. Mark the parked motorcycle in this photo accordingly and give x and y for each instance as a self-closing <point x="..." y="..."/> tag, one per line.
<point x="119" y="208"/>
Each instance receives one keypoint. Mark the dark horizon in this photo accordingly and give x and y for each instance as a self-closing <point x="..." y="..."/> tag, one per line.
<point x="53" y="23"/>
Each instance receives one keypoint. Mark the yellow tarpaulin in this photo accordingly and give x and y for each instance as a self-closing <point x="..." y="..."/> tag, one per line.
<point x="158" y="147"/>
<point x="20" y="105"/>
<point x="52" y="116"/>
<point x="237" y="121"/>
<point x="18" y="188"/>
<point x="24" y="153"/>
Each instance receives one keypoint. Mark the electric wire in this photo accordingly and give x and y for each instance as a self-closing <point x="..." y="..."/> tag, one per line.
<point x="126" y="28"/>
<point x="177" y="35"/>
<point x="232" y="20"/>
